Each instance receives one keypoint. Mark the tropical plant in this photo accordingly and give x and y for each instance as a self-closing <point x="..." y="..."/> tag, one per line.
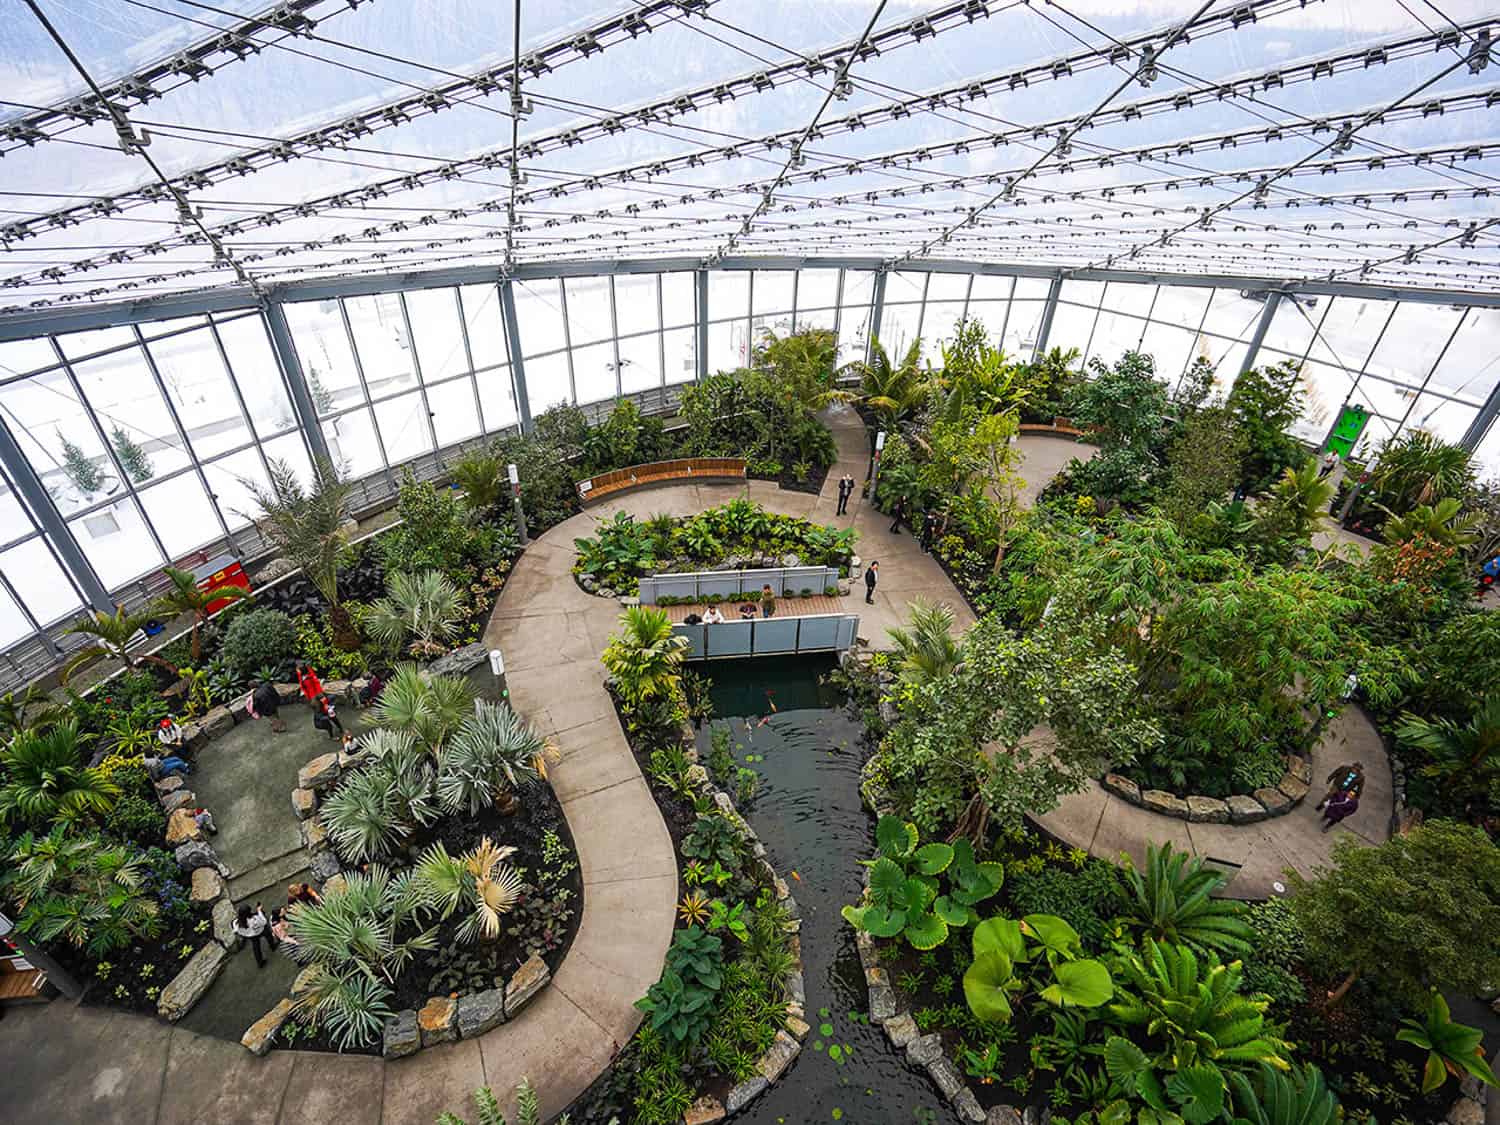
<point x="480" y="879"/>
<point x="927" y="647"/>
<point x="680" y="1004"/>
<point x="1357" y="917"/>
<point x="429" y="708"/>
<point x="365" y="925"/>
<point x="1173" y="902"/>
<point x="1442" y="522"/>
<point x="713" y="839"/>
<point x="112" y="634"/>
<point x="32" y="709"/>
<point x="307" y="527"/>
<point x="1197" y="1023"/>
<point x="350" y="1003"/>
<point x="1265" y="402"/>
<point x="1002" y="946"/>
<point x="803" y="363"/>
<point x="493" y="755"/>
<point x="378" y="806"/>
<point x="80" y="888"/>
<point x="482" y="478"/>
<point x="1415" y="468"/>
<point x="1294" y="510"/>
<point x="1467" y="754"/>
<point x="259" y="638"/>
<point x="1271" y="1097"/>
<point x="644" y="656"/>
<point x="44" y="778"/>
<point x="184" y="596"/>
<point x="892" y="390"/>
<point x="425" y="607"/>
<point x="437" y="532"/>
<point x="528" y="1109"/>
<point x="1452" y="1048"/>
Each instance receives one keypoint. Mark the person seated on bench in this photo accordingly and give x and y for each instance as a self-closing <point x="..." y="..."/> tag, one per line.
<point x="747" y="612"/>
<point x="713" y="616"/>
<point x="692" y="619"/>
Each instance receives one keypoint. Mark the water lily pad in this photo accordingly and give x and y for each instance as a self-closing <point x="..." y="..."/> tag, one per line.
<point x="823" y="1012"/>
<point x="838" y="1114"/>
<point x="825" y="1029"/>
<point x="836" y="1053"/>
<point x="817" y="1044"/>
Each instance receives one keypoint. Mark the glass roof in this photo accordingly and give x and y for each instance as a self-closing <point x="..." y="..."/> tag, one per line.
<point x="239" y="142"/>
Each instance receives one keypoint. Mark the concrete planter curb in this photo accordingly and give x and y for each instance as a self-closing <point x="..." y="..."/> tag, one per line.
<point x="1241" y="808"/>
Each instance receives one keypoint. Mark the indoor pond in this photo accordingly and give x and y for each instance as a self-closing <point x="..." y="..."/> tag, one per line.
<point x="795" y="734"/>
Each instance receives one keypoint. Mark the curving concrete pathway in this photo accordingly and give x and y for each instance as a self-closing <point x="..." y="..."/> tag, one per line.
<point x="1256" y="855"/>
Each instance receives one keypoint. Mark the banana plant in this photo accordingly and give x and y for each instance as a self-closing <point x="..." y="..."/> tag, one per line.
<point x="1050" y="947"/>
<point x="1452" y="1048"/>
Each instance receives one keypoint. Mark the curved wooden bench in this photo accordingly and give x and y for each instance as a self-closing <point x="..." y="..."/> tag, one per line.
<point x="659" y="472"/>
<point x="1062" y="426"/>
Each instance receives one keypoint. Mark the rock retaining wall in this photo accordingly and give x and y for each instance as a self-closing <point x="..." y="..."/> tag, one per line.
<point x="1242" y="808"/>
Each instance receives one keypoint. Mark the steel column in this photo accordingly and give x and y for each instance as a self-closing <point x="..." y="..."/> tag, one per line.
<point x="1049" y="310"/>
<point x="1262" y="326"/>
<point x="291" y="370"/>
<point x="877" y="310"/>
<point x="700" y="282"/>
<point x="1482" y="420"/>
<point x="513" y="343"/>
<point x="51" y="522"/>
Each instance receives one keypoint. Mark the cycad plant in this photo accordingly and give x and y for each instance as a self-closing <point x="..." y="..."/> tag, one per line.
<point x="1441" y="523"/>
<point x="427" y="707"/>
<point x="482" y="478"/>
<point x="644" y="657"/>
<point x="927" y="647"/>
<point x="111" y="633"/>
<point x="1298" y="1097"/>
<point x="479" y="880"/>
<point x="1172" y="901"/>
<point x="45" y="778"/>
<point x="78" y="888"/>
<point x="184" y="596"/>
<point x="307" y="527"/>
<point x="423" y="608"/>
<point x="894" y="391"/>
<point x="1467" y="753"/>
<point x="492" y="756"/>
<point x="528" y="1109"/>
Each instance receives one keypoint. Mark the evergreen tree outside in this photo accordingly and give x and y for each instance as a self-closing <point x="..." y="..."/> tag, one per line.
<point x="133" y="459"/>
<point x="80" y="470"/>
<point x="322" y="397"/>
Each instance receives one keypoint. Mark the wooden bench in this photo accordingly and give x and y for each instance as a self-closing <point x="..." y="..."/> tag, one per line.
<point x="1063" y="426"/>
<point x="659" y="472"/>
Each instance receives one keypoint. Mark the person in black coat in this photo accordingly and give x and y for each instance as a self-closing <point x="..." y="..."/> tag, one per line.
<point x="872" y="575"/>
<point x="897" y="509"/>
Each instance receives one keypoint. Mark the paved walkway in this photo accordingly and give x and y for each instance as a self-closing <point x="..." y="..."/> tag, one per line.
<point x="1257" y="854"/>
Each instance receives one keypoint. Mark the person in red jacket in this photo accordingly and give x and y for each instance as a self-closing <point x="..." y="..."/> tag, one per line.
<point x="308" y="681"/>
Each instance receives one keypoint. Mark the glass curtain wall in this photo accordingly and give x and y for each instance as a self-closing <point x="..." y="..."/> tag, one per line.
<point x="147" y="437"/>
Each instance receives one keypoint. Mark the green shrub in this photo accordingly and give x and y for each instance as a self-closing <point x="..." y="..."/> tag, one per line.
<point x="135" y="818"/>
<point x="1085" y="899"/>
<point x="315" y="646"/>
<point x="259" y="638"/>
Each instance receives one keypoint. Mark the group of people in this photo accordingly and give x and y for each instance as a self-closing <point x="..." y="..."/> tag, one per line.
<point x="713" y="615"/>
<point x="1345" y="785"/>
<point x="265" y="701"/>
<point x="252" y="924"/>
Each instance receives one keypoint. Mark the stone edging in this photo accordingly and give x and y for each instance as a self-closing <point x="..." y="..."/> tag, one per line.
<point x="1469" y="1107"/>
<point x="788" y="1042"/>
<point x="1241" y="808"/>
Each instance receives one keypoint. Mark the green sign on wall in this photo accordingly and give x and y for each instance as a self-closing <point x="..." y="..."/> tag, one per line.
<point x="1347" y="430"/>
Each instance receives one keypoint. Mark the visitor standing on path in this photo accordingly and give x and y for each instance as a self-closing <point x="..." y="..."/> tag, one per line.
<point x="252" y="926"/>
<point x="265" y="701"/>
<point x="308" y="681"/>
<point x="929" y="528"/>
<point x="1347" y="779"/>
<point x="872" y="575"/>
<point x="846" y="490"/>
<point x="896" y="513"/>
<point x="767" y="600"/>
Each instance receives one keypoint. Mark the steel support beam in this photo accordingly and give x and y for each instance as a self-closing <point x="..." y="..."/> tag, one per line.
<point x="877" y="311"/>
<point x="700" y="287"/>
<point x="291" y="367"/>
<point x="1262" y="326"/>
<point x="50" y="520"/>
<point x="513" y="344"/>
<point x="1049" y="310"/>
<point x="1482" y="421"/>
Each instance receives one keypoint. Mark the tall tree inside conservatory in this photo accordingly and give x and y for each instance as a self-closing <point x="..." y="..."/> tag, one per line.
<point x="308" y="527"/>
<point x="133" y="459"/>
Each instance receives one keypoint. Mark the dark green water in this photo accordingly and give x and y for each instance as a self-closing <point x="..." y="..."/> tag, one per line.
<point x="808" y="814"/>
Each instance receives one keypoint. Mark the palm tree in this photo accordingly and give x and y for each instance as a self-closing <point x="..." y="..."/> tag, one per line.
<point x="46" y="780"/>
<point x="928" y="650"/>
<point x="429" y="708"/>
<point x="482" y="477"/>
<point x="425" y="606"/>
<point x="112" y="634"/>
<point x="1172" y="902"/>
<point x="1418" y="468"/>
<point x="644" y="656"/>
<point x="1294" y="509"/>
<point x="1439" y="523"/>
<point x="1469" y="752"/>
<point x="479" y="879"/>
<point x="803" y="363"/>
<point x="34" y="709"/>
<point x="893" y="391"/>
<point x="307" y="527"/>
<point x="186" y="597"/>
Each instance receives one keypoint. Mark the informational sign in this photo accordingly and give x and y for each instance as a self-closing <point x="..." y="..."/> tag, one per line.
<point x="1347" y="430"/>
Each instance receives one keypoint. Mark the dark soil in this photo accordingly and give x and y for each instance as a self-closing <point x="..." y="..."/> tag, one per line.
<point x="787" y="482"/>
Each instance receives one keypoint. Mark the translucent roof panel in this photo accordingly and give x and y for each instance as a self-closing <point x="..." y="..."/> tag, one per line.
<point x="156" y="146"/>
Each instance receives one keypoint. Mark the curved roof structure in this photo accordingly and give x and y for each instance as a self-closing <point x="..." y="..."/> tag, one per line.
<point x="161" y="146"/>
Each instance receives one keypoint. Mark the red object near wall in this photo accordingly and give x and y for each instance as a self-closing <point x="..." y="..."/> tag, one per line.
<point x="219" y="572"/>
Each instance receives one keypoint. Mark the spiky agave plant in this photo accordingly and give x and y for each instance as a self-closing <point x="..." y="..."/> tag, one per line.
<point x="494" y="754"/>
<point x="479" y="879"/>
<point x="352" y="1005"/>
<point x="377" y="807"/>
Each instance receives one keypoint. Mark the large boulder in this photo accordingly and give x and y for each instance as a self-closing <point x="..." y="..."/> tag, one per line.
<point x="402" y="1036"/>
<point x="259" y="1035"/>
<point x="224" y="924"/>
<point x="197" y="854"/>
<point x="304" y="803"/>
<point x="191" y="983"/>
<point x="1122" y="787"/>
<point x="528" y="980"/>
<point x="178" y="799"/>
<point x="319" y="773"/>
<point x="181" y="827"/>
<point x="314" y="835"/>
<point x="208" y="885"/>
<point x="707" y="1110"/>
<point x="902" y="1029"/>
<point x="1244" y="810"/>
<point x="882" y="1002"/>
<point x="168" y="785"/>
<point x="743" y="1094"/>
<point x="1299" y="768"/>
<point x="945" y="1076"/>
<point x="460" y="660"/>
<point x="924" y="1049"/>
<point x="1274" y="801"/>
<point x="480" y="1012"/>
<point x="778" y="1056"/>
<point x="1207" y="810"/>
<point x="1167" y="804"/>
<point x="216" y="722"/>
<point x="324" y="866"/>
<point x="1292" y="787"/>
